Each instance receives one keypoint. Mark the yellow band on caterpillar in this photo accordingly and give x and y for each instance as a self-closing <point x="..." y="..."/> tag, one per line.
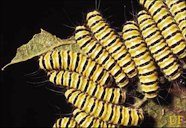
<point x="111" y="41"/>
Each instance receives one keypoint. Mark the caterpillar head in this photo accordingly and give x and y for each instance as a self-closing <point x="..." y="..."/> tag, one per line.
<point x="80" y="32"/>
<point x="92" y="14"/>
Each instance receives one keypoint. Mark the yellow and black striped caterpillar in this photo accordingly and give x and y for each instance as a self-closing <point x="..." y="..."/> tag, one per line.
<point x="79" y="82"/>
<point x="114" y="114"/>
<point x="91" y="47"/>
<point x="65" y="122"/>
<point x="158" y="47"/>
<point x="178" y="10"/>
<point x="148" y="75"/>
<point x="167" y="25"/>
<point x="86" y="121"/>
<point x="73" y="61"/>
<point x="112" y="42"/>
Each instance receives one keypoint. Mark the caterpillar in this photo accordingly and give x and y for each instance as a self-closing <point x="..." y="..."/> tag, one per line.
<point x="158" y="47"/>
<point x="79" y="82"/>
<point x="73" y="61"/>
<point x="87" y="121"/>
<point x="92" y="48"/>
<point x="112" y="42"/>
<point x="178" y="10"/>
<point x="65" y="122"/>
<point x="167" y="25"/>
<point x="114" y="114"/>
<point x="148" y="76"/>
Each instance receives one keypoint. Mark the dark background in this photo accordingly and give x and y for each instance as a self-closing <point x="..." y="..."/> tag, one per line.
<point x="25" y="104"/>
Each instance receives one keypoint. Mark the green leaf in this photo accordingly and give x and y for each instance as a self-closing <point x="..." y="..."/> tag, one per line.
<point x="39" y="44"/>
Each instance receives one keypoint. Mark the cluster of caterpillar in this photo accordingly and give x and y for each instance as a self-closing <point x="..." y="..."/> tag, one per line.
<point x="86" y="83"/>
<point x="162" y="25"/>
<point x="97" y="82"/>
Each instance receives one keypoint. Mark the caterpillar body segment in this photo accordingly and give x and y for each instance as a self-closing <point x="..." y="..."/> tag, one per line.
<point x="86" y="121"/>
<point x="158" y="46"/>
<point x="112" y="42"/>
<point x="76" y="62"/>
<point x="167" y="26"/>
<point x="65" y="122"/>
<point x="79" y="82"/>
<point x="178" y="10"/>
<point x="92" y="48"/>
<point x="148" y="75"/>
<point x="114" y="114"/>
